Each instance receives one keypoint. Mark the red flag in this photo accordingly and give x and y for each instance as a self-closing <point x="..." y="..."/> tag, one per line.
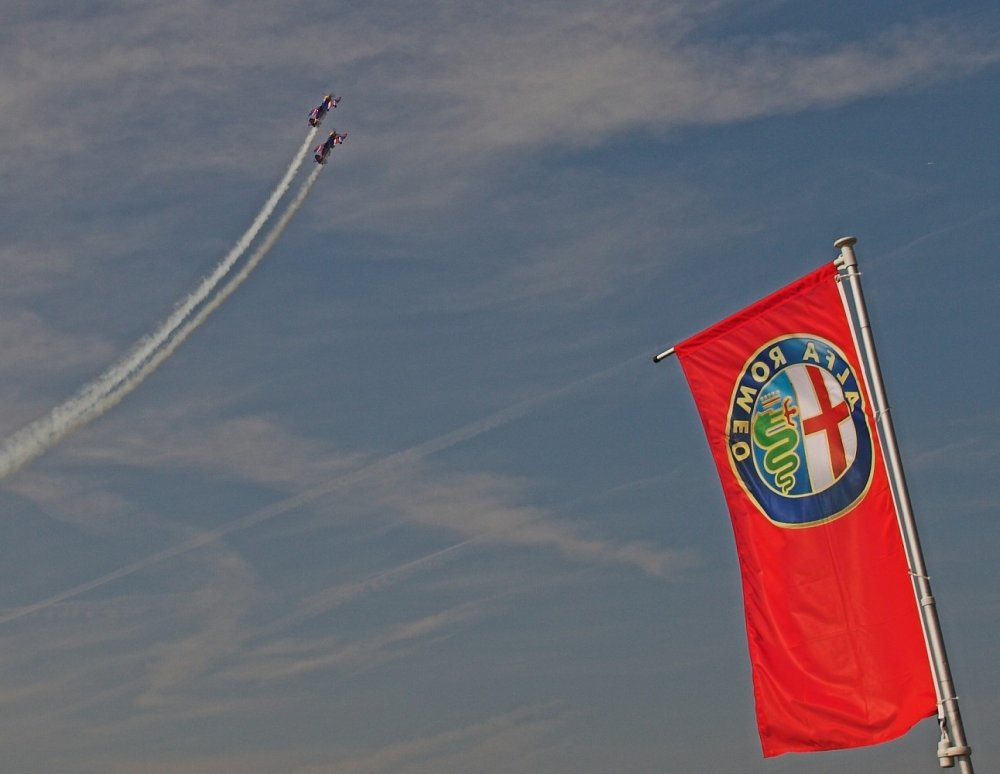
<point x="836" y="645"/>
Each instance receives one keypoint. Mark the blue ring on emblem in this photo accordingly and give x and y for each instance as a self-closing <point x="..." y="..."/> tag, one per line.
<point x="758" y="385"/>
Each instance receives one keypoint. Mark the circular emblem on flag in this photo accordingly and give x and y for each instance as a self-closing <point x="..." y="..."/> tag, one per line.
<point x="799" y="440"/>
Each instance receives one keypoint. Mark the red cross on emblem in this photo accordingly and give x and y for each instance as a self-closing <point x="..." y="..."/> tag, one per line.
<point x="828" y="420"/>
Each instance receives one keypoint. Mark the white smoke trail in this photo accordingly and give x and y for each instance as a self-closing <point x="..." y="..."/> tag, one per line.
<point x="177" y="336"/>
<point x="96" y="397"/>
<point x="145" y="346"/>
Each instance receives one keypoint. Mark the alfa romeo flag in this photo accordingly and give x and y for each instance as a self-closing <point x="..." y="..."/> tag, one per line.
<point x="837" y="650"/>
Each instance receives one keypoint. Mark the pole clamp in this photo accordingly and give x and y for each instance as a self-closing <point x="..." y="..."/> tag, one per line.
<point x="954" y="752"/>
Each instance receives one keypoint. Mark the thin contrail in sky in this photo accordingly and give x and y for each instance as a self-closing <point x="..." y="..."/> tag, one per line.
<point x="402" y="457"/>
<point x="96" y="397"/>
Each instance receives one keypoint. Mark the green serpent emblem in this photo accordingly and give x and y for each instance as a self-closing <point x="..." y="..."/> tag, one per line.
<point x="776" y="433"/>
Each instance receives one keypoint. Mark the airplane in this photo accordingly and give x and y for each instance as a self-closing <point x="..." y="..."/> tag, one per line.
<point x="318" y="113"/>
<point x="322" y="152"/>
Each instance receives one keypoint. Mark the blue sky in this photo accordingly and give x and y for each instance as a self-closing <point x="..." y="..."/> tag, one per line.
<point x="414" y="499"/>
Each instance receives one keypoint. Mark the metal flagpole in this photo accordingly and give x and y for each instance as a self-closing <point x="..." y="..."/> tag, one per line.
<point x="953" y="747"/>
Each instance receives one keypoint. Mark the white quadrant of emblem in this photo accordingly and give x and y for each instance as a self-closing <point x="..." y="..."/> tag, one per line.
<point x="829" y="438"/>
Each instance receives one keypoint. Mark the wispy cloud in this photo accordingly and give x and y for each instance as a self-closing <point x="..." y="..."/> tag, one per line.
<point x="502" y="743"/>
<point x="32" y="347"/>
<point x="283" y="659"/>
<point x="216" y="611"/>
<point x="559" y="74"/>
<point x="340" y="594"/>
<point x="256" y="449"/>
<point x="498" y="78"/>
<point x="495" y="510"/>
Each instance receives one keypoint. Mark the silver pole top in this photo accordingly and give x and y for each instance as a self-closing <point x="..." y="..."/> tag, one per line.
<point x="846" y="259"/>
